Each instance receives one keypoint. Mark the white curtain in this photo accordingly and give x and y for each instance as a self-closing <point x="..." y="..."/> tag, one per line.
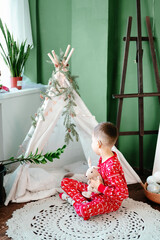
<point x="16" y="14"/>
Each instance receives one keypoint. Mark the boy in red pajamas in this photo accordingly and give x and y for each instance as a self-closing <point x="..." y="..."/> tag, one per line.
<point x="113" y="190"/>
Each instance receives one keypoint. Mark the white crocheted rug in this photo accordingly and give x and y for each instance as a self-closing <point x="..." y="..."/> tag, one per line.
<point x="54" y="219"/>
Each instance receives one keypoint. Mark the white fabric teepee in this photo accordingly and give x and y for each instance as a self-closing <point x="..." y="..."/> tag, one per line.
<point x="156" y="166"/>
<point x="29" y="183"/>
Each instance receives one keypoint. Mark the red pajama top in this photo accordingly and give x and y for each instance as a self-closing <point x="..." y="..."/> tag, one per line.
<point x="115" y="186"/>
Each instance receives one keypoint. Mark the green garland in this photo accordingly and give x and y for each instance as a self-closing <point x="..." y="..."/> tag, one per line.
<point x="55" y="88"/>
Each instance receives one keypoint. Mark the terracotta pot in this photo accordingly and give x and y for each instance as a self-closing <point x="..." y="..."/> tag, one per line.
<point x="16" y="82"/>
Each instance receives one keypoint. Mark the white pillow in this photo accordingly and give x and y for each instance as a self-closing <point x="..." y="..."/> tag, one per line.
<point x="77" y="167"/>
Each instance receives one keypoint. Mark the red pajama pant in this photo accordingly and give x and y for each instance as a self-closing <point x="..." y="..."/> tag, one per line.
<point x="98" y="204"/>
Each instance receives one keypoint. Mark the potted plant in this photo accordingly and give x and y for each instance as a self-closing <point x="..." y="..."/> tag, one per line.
<point x="37" y="158"/>
<point x="14" y="55"/>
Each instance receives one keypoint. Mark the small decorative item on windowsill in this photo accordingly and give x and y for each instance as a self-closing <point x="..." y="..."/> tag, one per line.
<point x="152" y="187"/>
<point x="14" y="55"/>
<point x="3" y="89"/>
<point x="36" y="158"/>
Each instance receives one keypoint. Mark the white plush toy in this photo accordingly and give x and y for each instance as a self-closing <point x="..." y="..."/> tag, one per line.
<point x="92" y="173"/>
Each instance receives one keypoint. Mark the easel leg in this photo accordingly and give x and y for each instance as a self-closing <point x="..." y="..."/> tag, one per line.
<point x="140" y="85"/>
<point x="141" y="154"/>
<point x="124" y="71"/>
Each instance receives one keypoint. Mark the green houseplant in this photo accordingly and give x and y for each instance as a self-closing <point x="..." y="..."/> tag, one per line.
<point x="14" y="55"/>
<point x="36" y="158"/>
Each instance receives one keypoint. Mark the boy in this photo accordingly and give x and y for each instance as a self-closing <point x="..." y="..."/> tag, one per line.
<point x="113" y="190"/>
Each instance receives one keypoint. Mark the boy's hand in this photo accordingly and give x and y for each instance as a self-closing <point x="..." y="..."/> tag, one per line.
<point x="95" y="183"/>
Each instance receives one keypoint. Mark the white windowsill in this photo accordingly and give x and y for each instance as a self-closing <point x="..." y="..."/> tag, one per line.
<point x="19" y="93"/>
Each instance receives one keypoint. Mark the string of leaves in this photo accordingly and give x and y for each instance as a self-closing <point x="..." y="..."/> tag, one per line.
<point x="36" y="158"/>
<point x="55" y="89"/>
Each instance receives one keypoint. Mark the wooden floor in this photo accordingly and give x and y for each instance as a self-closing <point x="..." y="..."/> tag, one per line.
<point x="135" y="192"/>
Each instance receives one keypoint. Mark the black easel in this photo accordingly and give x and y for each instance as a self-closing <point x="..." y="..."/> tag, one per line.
<point x="140" y="93"/>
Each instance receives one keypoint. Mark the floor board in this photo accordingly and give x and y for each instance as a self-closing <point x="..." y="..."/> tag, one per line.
<point x="135" y="192"/>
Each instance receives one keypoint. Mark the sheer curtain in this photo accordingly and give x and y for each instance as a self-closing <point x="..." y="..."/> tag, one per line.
<point x="16" y="14"/>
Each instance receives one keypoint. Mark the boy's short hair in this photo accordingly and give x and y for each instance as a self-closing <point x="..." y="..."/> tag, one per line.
<point x="106" y="132"/>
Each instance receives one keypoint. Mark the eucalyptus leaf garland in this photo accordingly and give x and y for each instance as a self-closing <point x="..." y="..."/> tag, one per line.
<point x="54" y="89"/>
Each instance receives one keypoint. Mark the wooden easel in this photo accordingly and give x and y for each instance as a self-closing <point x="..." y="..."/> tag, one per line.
<point x="140" y="93"/>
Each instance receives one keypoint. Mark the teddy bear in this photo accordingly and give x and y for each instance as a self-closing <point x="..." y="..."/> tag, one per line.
<point x="92" y="173"/>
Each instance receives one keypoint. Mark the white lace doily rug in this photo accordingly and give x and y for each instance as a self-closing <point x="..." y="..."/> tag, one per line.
<point x="54" y="219"/>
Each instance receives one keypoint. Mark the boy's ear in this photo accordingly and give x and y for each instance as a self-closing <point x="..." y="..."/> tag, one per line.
<point x="99" y="143"/>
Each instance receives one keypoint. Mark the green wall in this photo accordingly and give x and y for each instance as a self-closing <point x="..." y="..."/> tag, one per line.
<point x="96" y="29"/>
<point x="31" y="64"/>
<point x="51" y="28"/>
<point x="54" y="30"/>
<point x="89" y="62"/>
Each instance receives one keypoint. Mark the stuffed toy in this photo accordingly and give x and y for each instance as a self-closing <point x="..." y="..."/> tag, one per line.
<point x="92" y="173"/>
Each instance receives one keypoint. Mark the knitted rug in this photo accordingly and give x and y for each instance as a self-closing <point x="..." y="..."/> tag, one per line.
<point x="54" y="219"/>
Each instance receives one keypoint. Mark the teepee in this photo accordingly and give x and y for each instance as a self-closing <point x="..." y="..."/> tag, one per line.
<point x="61" y="117"/>
<point x="156" y="165"/>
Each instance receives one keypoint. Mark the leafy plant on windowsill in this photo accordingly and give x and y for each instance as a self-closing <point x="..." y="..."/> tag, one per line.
<point x="37" y="158"/>
<point x="15" y="55"/>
